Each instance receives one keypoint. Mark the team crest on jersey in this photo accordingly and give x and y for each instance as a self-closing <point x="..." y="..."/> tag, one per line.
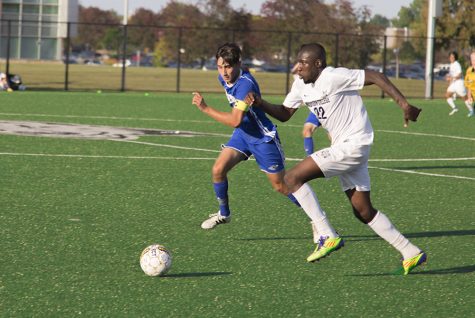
<point x="319" y="102"/>
<point x="232" y="100"/>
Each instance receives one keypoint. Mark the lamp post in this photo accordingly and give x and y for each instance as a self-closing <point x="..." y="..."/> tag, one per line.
<point x="434" y="10"/>
<point x="126" y="12"/>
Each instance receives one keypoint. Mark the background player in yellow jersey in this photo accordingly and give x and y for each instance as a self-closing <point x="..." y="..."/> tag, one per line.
<point x="470" y="83"/>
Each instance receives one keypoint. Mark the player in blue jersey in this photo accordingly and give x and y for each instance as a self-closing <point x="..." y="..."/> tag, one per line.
<point x="254" y="133"/>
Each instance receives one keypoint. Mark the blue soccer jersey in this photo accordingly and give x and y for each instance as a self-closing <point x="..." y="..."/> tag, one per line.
<point x="255" y="126"/>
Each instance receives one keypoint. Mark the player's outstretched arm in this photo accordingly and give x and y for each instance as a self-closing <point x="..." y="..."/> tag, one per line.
<point x="410" y="112"/>
<point x="232" y="119"/>
<point x="279" y="112"/>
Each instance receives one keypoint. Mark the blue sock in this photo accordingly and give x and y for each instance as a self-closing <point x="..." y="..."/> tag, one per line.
<point x="293" y="199"/>
<point x="308" y="145"/>
<point x="221" y="190"/>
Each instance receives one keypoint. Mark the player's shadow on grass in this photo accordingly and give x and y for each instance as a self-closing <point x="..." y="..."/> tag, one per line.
<point x="356" y="238"/>
<point x="273" y="238"/>
<point x="442" y="271"/>
<point x="194" y="275"/>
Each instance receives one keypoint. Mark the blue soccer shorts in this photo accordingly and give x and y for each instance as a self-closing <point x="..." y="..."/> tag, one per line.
<point x="269" y="155"/>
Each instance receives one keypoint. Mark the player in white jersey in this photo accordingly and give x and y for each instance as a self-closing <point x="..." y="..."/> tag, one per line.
<point x="456" y="85"/>
<point x="332" y="95"/>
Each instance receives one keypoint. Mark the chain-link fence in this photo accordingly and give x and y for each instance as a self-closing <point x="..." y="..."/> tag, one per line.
<point x="107" y="57"/>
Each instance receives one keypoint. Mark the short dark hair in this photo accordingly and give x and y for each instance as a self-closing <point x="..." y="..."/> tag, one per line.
<point x="230" y="53"/>
<point x="316" y="49"/>
<point x="456" y="56"/>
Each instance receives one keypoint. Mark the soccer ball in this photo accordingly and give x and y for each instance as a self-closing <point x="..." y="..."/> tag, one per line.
<point x="155" y="260"/>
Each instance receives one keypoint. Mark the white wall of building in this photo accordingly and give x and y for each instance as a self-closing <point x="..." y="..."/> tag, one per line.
<point x="38" y="27"/>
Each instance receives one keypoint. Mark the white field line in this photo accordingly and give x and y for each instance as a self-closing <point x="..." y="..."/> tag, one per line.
<point x="423" y="173"/>
<point x="99" y="156"/>
<point x="215" y="122"/>
<point x="422" y="159"/>
<point x="112" y="118"/>
<point x="164" y="145"/>
<point x="213" y="158"/>
<point x="206" y="150"/>
<point x="217" y="151"/>
<point x="424" y="134"/>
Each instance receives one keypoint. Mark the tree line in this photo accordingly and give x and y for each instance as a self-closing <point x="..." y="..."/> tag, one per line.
<point x="199" y="29"/>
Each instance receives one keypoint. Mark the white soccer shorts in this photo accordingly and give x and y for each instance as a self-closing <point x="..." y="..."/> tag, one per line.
<point x="347" y="162"/>
<point x="457" y="87"/>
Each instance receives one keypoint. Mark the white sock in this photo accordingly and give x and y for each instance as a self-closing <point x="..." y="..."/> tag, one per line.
<point x="451" y="102"/>
<point x="309" y="202"/>
<point x="469" y="105"/>
<point x="316" y="234"/>
<point x="385" y="229"/>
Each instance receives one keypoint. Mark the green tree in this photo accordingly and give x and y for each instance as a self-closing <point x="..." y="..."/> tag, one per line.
<point x="455" y="29"/>
<point x="379" y="20"/>
<point x="203" y="29"/>
<point x="94" y="24"/>
<point x="225" y="21"/>
<point x="282" y="16"/>
<point x="112" y="39"/>
<point x="141" y="33"/>
<point x="189" y="18"/>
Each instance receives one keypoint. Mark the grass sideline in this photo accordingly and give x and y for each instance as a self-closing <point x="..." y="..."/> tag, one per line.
<point x="75" y="215"/>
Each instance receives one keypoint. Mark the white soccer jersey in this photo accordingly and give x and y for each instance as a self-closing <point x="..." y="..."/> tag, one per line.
<point x="456" y="85"/>
<point x="335" y="100"/>
<point x="455" y="70"/>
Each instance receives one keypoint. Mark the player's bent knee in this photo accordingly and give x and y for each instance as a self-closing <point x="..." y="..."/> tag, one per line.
<point x="280" y="187"/>
<point x="291" y="180"/>
<point x="365" y="215"/>
<point x="218" y="171"/>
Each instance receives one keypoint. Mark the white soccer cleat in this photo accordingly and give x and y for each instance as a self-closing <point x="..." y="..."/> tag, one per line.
<point x="214" y="220"/>
<point x="453" y="111"/>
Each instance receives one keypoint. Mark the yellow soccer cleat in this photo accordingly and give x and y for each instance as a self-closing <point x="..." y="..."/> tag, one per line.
<point x="325" y="246"/>
<point x="409" y="264"/>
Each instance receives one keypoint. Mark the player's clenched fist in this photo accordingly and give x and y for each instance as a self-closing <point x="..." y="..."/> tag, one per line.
<point x="199" y="101"/>
<point x="410" y="114"/>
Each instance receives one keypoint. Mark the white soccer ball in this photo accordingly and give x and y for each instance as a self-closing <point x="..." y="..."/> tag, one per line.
<point x="155" y="260"/>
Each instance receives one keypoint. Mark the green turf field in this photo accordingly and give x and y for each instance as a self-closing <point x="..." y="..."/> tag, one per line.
<point x="76" y="213"/>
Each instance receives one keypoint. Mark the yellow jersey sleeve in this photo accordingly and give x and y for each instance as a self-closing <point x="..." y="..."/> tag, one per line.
<point x="241" y="105"/>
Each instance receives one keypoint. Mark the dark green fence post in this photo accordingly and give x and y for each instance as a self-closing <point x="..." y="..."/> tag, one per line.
<point x="178" y="65"/>
<point x="124" y="58"/>
<point x="337" y="45"/>
<point x="66" y="61"/>
<point x="385" y="47"/>
<point x="9" y="29"/>
<point x="289" y="48"/>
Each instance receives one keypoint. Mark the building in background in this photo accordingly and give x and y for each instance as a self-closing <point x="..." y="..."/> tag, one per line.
<point x="37" y="27"/>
